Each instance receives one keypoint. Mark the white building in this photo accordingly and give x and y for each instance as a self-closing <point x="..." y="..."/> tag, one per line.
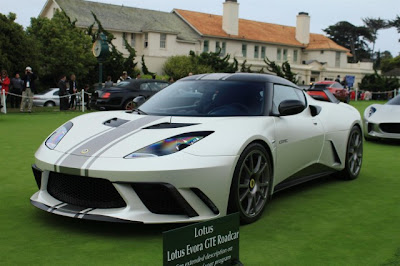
<point x="159" y="35"/>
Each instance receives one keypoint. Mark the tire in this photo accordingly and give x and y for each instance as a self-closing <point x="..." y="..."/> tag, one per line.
<point x="251" y="184"/>
<point x="129" y="105"/>
<point x="354" y="155"/>
<point x="49" y="104"/>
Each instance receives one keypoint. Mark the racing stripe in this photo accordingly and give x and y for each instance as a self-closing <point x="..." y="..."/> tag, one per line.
<point x="74" y="147"/>
<point x="102" y="143"/>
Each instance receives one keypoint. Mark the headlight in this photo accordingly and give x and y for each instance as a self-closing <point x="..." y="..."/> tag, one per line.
<point x="57" y="136"/>
<point x="371" y="111"/>
<point x="169" y="145"/>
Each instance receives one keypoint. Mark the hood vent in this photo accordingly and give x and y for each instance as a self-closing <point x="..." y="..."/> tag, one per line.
<point x="115" y="122"/>
<point x="169" y="125"/>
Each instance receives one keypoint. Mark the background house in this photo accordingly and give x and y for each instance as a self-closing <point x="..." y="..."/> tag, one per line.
<point x="159" y="35"/>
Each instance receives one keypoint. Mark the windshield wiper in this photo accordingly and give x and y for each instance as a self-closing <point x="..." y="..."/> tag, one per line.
<point x="140" y="112"/>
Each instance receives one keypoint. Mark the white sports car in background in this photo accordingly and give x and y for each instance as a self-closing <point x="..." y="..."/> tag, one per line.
<point x="206" y="146"/>
<point x="382" y="121"/>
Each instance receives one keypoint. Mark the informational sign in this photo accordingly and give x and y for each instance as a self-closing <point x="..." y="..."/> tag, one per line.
<point x="210" y="243"/>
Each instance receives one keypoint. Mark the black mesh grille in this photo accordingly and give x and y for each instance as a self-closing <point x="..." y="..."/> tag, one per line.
<point x="161" y="198"/>
<point x="84" y="191"/>
<point x="390" y="127"/>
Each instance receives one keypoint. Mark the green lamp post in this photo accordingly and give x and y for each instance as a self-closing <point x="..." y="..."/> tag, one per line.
<point x="100" y="50"/>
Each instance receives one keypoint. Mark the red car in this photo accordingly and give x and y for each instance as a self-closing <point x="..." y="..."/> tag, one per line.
<point x="342" y="94"/>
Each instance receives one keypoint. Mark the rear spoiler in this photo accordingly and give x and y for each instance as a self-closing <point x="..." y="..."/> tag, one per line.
<point x="329" y="95"/>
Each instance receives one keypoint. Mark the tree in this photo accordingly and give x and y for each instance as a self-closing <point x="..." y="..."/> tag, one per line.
<point x="376" y="82"/>
<point x="390" y="63"/>
<point x="180" y="66"/>
<point x="284" y="71"/>
<point x="17" y="49"/>
<point x="62" y="49"/>
<point x="374" y="25"/>
<point x="352" y="37"/>
<point x="395" y="23"/>
<point x="145" y="70"/>
<point x="214" y="60"/>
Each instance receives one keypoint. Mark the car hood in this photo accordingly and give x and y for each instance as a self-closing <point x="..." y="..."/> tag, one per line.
<point x="117" y="134"/>
<point x="385" y="114"/>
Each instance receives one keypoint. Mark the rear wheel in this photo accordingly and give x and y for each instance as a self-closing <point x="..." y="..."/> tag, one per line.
<point x="129" y="105"/>
<point x="354" y="155"/>
<point x="49" y="104"/>
<point x="251" y="184"/>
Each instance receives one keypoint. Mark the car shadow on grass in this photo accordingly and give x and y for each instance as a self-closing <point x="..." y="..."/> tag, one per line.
<point x="386" y="142"/>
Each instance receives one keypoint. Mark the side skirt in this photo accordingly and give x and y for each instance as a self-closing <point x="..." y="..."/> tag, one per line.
<point x="310" y="173"/>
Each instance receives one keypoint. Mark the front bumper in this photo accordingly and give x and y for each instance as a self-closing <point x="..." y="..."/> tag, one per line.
<point x="377" y="131"/>
<point x="197" y="186"/>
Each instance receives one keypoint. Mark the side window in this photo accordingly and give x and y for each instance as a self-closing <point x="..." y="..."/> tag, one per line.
<point x="56" y="93"/>
<point x="282" y="93"/>
<point x="144" y="87"/>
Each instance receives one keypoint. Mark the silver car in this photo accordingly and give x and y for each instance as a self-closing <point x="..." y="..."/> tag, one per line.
<point x="47" y="98"/>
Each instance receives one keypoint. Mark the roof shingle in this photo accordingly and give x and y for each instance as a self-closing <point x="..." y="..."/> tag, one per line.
<point x="211" y="25"/>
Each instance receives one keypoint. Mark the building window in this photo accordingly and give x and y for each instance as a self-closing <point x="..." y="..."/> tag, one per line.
<point x="133" y="39"/>
<point x="263" y="49"/>
<point x="284" y="54"/>
<point x="163" y="40"/>
<point x="256" y="48"/>
<point x="223" y="50"/>
<point x="217" y="46"/>
<point x="337" y="59"/>
<point x="244" y="50"/>
<point x="123" y="38"/>
<point x="279" y="54"/>
<point x="295" y="56"/>
<point x="322" y="52"/>
<point x="146" y="40"/>
<point x="206" y="46"/>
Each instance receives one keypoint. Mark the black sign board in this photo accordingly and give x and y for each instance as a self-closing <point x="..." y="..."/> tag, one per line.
<point x="210" y="243"/>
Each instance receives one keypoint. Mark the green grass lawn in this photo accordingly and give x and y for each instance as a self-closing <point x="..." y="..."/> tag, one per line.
<point x="324" y="222"/>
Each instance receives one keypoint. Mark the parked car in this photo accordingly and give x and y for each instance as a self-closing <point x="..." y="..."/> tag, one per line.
<point x="205" y="146"/>
<point x="120" y="97"/>
<point x="341" y="93"/>
<point x="47" y="98"/>
<point x="382" y="121"/>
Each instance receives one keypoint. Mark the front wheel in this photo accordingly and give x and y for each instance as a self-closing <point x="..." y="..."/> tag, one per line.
<point x="354" y="155"/>
<point x="251" y="184"/>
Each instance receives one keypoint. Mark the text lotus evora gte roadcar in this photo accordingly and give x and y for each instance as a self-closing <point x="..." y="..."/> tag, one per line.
<point x="206" y="146"/>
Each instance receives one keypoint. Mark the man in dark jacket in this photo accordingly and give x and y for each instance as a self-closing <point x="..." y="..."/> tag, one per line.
<point x="73" y="88"/>
<point x="16" y="88"/>
<point x="63" y="93"/>
<point x="28" y="89"/>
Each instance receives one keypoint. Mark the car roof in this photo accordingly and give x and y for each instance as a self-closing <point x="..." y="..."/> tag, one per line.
<point x="145" y="80"/>
<point x="240" y="77"/>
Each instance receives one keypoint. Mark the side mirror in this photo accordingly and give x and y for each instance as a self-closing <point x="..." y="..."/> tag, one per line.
<point x="291" y="107"/>
<point x="139" y="100"/>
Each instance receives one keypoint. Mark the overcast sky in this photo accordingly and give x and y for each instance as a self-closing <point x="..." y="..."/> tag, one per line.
<point x="323" y="13"/>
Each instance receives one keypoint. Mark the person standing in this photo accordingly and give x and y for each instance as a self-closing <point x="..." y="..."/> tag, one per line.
<point x="62" y="85"/>
<point x="108" y="83"/>
<point x="4" y="83"/>
<point x="28" y="89"/>
<point x="16" y="88"/>
<point x="123" y="77"/>
<point x="73" y="89"/>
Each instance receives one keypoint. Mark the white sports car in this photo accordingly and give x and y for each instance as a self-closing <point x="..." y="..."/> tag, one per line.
<point x="206" y="146"/>
<point x="382" y="121"/>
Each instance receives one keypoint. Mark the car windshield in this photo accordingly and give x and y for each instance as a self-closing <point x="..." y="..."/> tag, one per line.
<point x="319" y="86"/>
<point x="208" y="98"/>
<point x="394" y="101"/>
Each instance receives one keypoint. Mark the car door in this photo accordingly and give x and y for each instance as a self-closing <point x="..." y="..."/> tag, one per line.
<point x="299" y="138"/>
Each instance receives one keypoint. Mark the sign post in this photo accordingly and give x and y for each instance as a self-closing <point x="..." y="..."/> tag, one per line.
<point x="214" y="242"/>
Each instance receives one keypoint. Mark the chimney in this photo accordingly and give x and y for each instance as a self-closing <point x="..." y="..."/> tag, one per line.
<point x="303" y="28"/>
<point x="230" y="19"/>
